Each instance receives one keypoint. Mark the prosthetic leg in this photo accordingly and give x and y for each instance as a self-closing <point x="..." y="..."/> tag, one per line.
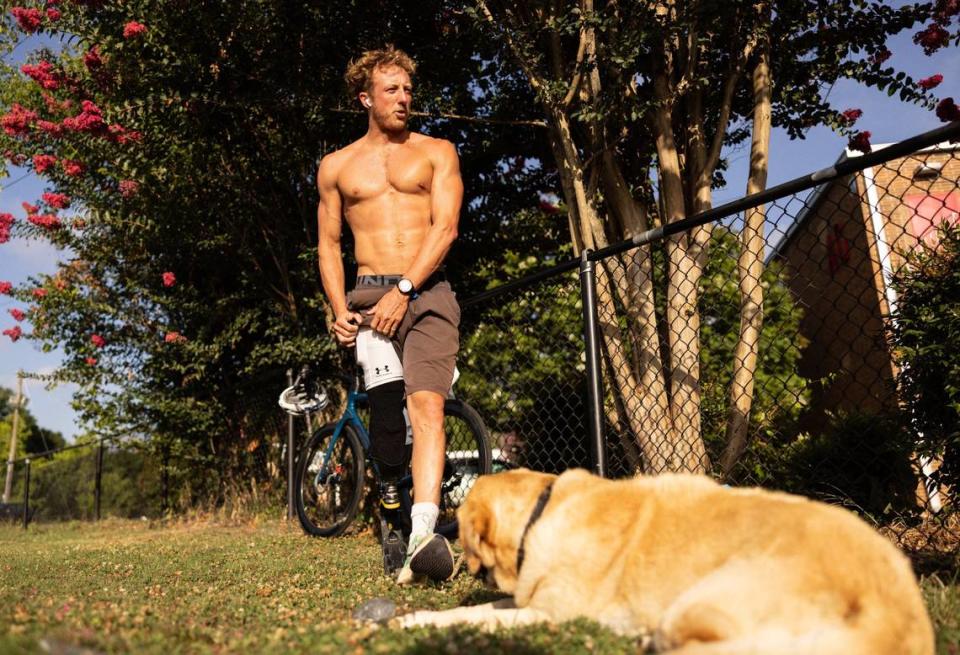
<point x="383" y="379"/>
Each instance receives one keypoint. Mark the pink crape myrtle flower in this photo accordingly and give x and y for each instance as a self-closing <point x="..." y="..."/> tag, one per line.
<point x="5" y="287"/>
<point x="90" y="119"/>
<point x="6" y="222"/>
<point x="44" y="74"/>
<point x="128" y="188"/>
<point x="42" y="162"/>
<point x="860" y="142"/>
<point x="30" y="209"/>
<point x="17" y="122"/>
<point x="14" y="333"/>
<point x="947" y="111"/>
<point x="56" y="106"/>
<point x="53" y="129"/>
<point x="851" y="115"/>
<point x="17" y="314"/>
<point x="72" y="168"/>
<point x="931" y="82"/>
<point x="29" y="20"/>
<point x="174" y="337"/>
<point x="881" y="56"/>
<point x="53" y="15"/>
<point x="56" y="200"/>
<point x="133" y="29"/>
<point x="97" y="340"/>
<point x="121" y="135"/>
<point x="169" y="279"/>
<point x="39" y="293"/>
<point x="932" y="39"/>
<point x="91" y="361"/>
<point x="92" y="58"/>
<point x="46" y="221"/>
<point x="14" y="158"/>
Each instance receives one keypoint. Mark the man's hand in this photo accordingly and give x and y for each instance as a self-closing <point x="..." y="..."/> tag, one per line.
<point x="388" y="313"/>
<point x="345" y="328"/>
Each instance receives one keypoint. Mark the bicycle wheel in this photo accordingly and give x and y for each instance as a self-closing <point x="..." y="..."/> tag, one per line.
<point x="468" y="457"/>
<point x="328" y="482"/>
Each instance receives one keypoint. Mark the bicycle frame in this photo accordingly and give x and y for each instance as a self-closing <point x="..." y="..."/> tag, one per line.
<point x="351" y="416"/>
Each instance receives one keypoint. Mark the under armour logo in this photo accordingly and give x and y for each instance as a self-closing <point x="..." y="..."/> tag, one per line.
<point x="386" y="369"/>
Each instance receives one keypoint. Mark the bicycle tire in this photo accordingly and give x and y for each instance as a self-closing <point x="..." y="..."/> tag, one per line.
<point x="465" y="434"/>
<point x="327" y="509"/>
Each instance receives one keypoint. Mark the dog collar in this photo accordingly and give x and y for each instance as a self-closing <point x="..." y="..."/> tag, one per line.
<point x="534" y="517"/>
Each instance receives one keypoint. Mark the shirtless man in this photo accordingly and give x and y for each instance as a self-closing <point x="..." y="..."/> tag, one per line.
<point x="400" y="192"/>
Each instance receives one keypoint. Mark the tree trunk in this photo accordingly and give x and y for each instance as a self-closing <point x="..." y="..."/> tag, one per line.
<point x="641" y="417"/>
<point x="750" y="268"/>
<point x="637" y="277"/>
<point x="683" y="320"/>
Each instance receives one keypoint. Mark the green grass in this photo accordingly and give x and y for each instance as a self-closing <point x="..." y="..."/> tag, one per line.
<point x="127" y="586"/>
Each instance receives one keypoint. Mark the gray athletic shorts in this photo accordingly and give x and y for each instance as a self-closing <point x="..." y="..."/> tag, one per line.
<point x="428" y="337"/>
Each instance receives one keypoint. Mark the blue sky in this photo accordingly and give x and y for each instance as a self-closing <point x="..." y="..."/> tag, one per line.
<point x="888" y="119"/>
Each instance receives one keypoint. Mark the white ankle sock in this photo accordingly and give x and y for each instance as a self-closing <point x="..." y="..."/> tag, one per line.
<point x="423" y="520"/>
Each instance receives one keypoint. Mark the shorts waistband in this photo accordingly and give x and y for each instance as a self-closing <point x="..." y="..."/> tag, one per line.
<point x="390" y="280"/>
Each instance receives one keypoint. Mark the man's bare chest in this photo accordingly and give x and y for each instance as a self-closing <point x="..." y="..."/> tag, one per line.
<point x="369" y="175"/>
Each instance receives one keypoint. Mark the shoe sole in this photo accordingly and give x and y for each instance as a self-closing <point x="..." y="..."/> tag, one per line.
<point x="433" y="559"/>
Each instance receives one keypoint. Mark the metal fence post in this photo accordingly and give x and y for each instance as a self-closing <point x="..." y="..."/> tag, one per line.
<point x="591" y="340"/>
<point x="289" y="454"/>
<point x="26" y="494"/>
<point x="97" y="480"/>
<point x="165" y="478"/>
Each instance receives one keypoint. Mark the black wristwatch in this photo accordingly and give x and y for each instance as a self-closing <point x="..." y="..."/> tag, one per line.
<point x="405" y="286"/>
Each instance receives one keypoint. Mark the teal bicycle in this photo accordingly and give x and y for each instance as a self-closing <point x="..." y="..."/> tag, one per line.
<point x="332" y="465"/>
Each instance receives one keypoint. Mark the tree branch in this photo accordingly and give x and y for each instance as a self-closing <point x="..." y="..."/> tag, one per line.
<point x="729" y="87"/>
<point x="538" y="85"/>
<point x="577" y="70"/>
<point x="455" y="117"/>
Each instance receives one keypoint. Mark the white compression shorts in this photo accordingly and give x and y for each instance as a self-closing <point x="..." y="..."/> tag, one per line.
<point x="379" y="360"/>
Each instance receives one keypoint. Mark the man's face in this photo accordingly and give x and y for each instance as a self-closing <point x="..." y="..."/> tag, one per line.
<point x="390" y="96"/>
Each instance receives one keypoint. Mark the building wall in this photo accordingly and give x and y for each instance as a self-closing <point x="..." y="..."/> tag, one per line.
<point x="832" y="274"/>
<point x="835" y="272"/>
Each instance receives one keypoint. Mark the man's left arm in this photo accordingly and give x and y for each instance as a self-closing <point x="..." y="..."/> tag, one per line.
<point x="446" y="195"/>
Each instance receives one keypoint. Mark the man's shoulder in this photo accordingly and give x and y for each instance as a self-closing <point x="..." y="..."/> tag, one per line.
<point x="337" y="157"/>
<point x="437" y="148"/>
<point x="332" y="163"/>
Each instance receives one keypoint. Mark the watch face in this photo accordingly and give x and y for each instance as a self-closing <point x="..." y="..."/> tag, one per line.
<point x="405" y="286"/>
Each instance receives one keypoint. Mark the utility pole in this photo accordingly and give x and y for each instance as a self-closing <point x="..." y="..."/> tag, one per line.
<point x="8" y="487"/>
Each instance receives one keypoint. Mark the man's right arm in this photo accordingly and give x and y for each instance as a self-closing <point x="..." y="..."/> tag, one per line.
<point x="329" y="225"/>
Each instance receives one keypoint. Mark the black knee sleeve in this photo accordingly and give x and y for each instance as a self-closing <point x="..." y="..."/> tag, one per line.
<point x="388" y="430"/>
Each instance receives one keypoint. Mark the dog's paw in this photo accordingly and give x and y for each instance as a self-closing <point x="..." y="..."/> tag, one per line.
<point x="413" y="620"/>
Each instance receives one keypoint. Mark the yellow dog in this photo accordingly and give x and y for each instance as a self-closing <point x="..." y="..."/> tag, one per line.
<point x="704" y="569"/>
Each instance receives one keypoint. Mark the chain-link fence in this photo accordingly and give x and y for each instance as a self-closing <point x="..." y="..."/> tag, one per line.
<point x="752" y="343"/>
<point x="145" y="479"/>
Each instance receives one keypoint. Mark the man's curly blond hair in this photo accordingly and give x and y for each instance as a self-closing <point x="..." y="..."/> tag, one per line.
<point x="359" y="75"/>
